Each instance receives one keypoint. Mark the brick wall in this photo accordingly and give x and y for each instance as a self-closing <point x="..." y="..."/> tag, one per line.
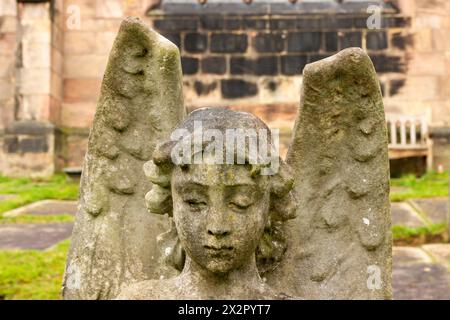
<point x="254" y="62"/>
<point x="238" y="54"/>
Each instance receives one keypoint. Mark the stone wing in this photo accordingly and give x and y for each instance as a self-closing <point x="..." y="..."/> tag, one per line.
<point x="140" y="102"/>
<point x="341" y="240"/>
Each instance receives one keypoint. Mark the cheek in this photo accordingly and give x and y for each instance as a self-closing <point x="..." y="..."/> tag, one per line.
<point x="180" y="218"/>
<point x="188" y="224"/>
<point x="251" y="224"/>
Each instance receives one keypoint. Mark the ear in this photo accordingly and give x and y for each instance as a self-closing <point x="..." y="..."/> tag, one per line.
<point x="170" y="247"/>
<point x="159" y="200"/>
<point x="283" y="205"/>
<point x="156" y="174"/>
<point x="282" y="181"/>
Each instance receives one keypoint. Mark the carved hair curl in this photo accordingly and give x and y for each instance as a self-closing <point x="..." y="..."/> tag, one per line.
<point x="282" y="207"/>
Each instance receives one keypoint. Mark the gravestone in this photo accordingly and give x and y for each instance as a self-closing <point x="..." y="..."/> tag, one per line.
<point x="140" y="102"/>
<point x="316" y="227"/>
<point x="341" y="241"/>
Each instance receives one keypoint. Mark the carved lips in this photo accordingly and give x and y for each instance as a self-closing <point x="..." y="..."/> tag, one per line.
<point x="219" y="251"/>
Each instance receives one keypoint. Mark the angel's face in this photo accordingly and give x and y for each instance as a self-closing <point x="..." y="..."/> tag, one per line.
<point x="220" y="212"/>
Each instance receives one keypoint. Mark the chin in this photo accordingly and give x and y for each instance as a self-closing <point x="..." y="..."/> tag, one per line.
<point x="220" y="266"/>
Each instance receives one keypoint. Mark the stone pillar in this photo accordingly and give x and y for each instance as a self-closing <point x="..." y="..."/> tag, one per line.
<point x="28" y="148"/>
<point x="441" y="146"/>
<point x="8" y="28"/>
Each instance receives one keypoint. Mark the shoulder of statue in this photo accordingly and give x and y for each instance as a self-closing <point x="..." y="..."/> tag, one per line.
<point x="143" y="290"/>
<point x="148" y="290"/>
<point x="268" y="293"/>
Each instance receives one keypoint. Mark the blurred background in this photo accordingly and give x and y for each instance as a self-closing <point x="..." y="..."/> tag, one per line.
<point x="241" y="54"/>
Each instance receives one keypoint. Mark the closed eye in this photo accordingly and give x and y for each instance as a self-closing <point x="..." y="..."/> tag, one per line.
<point x="239" y="206"/>
<point x="195" y="204"/>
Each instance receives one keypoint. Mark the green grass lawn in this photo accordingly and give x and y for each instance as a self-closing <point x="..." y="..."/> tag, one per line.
<point x="403" y="232"/>
<point x="31" y="190"/>
<point x="31" y="274"/>
<point x="428" y="186"/>
<point x="57" y="187"/>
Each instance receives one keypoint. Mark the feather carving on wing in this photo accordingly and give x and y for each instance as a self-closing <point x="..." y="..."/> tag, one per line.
<point x="140" y="102"/>
<point x="341" y="240"/>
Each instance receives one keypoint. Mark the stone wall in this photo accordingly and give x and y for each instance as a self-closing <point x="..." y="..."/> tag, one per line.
<point x="426" y="89"/>
<point x="441" y="146"/>
<point x="240" y="58"/>
<point x="85" y="52"/>
<point x="249" y="57"/>
<point x="28" y="143"/>
<point x="8" y="29"/>
<point x="236" y="58"/>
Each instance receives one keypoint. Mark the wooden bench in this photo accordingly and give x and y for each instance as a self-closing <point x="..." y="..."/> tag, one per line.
<point x="409" y="137"/>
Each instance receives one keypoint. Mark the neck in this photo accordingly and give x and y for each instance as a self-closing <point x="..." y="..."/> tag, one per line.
<point x="216" y="284"/>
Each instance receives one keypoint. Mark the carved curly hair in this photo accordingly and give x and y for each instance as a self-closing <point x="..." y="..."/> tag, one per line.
<point x="282" y="207"/>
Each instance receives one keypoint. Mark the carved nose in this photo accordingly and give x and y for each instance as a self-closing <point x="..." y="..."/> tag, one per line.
<point x="218" y="232"/>
<point x="218" y="224"/>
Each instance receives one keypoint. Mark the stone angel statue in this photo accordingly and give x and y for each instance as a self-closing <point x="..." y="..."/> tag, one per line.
<point x="167" y="211"/>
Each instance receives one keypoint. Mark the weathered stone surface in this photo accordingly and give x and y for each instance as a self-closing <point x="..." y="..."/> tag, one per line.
<point x="340" y="161"/>
<point x="230" y="230"/>
<point x="33" y="236"/>
<point x="140" y="102"/>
